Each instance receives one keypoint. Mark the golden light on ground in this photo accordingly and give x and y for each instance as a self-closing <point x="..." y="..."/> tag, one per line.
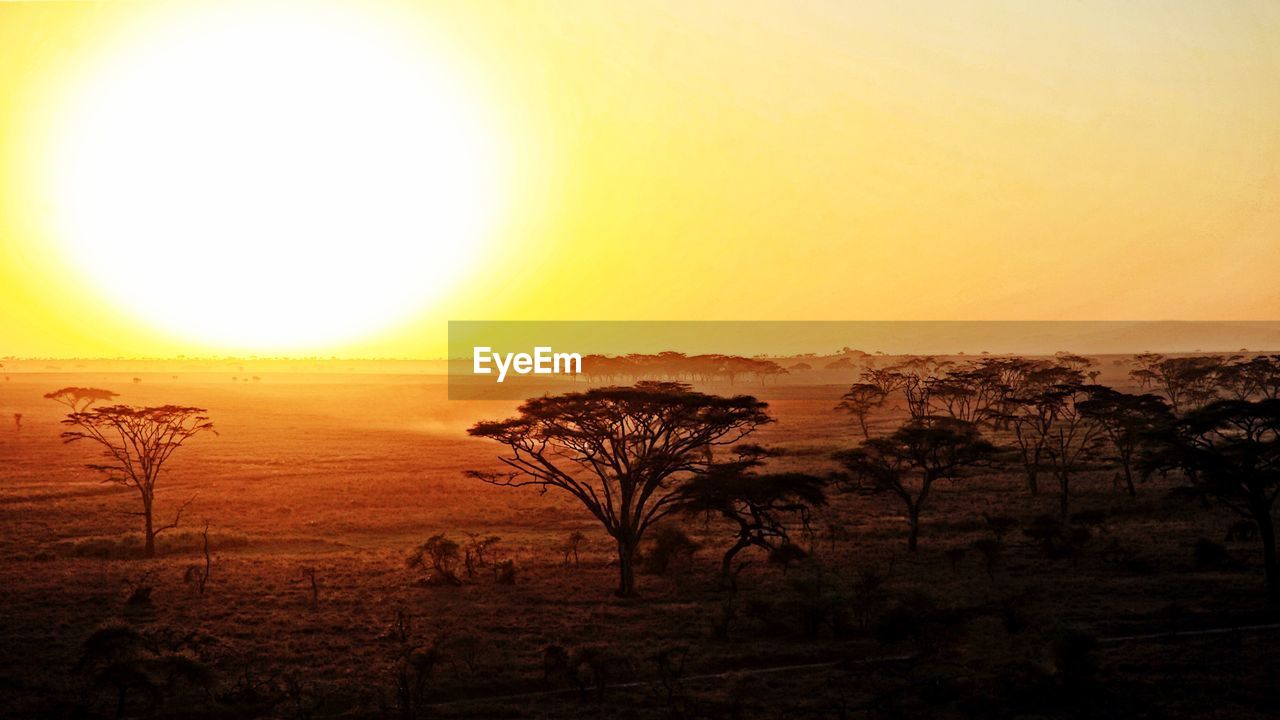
<point x="270" y="177"/>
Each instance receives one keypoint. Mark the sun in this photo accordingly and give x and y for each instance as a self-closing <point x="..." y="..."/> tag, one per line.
<point x="272" y="176"/>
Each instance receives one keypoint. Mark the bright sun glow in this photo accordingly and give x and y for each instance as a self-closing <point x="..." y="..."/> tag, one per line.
<point x="255" y="176"/>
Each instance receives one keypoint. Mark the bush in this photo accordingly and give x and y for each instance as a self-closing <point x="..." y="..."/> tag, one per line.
<point x="130" y="545"/>
<point x="1055" y="539"/>
<point x="504" y="572"/>
<point x="786" y="555"/>
<point x="1075" y="661"/>
<point x="1242" y="531"/>
<point x="441" y="556"/>
<point x="992" y="551"/>
<point x="1000" y="525"/>
<point x="668" y="548"/>
<point x="869" y="595"/>
<point x="917" y="618"/>
<point x="1210" y="555"/>
<point x="817" y="598"/>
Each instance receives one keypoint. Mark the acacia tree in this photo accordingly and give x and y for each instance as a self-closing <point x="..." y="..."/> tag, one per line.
<point x="861" y="399"/>
<point x="916" y="378"/>
<point x="625" y="453"/>
<point x="136" y="443"/>
<point x="1186" y="382"/>
<point x="759" y="505"/>
<point x="910" y="460"/>
<point x="1230" y="450"/>
<point x="1010" y="378"/>
<point x="1072" y="438"/>
<point x="79" y="399"/>
<point x="1126" y="421"/>
<point x="1255" y="378"/>
<point x="1030" y="414"/>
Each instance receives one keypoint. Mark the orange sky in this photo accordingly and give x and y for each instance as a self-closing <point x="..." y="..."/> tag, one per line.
<point x="651" y="160"/>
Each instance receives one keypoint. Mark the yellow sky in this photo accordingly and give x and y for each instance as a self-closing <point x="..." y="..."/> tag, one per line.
<point x="783" y="160"/>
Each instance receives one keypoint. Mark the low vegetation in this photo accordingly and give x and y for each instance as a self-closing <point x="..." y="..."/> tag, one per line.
<point x="960" y="537"/>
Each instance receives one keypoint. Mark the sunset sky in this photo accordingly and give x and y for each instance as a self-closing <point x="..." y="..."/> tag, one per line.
<point x="329" y="178"/>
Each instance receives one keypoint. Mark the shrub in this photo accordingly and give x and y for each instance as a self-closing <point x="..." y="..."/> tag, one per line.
<point x="504" y="572"/>
<point x="1057" y="540"/>
<point x="1075" y="661"/>
<point x="440" y="555"/>
<point x="992" y="551"/>
<point x="916" y="618"/>
<point x="1242" y="531"/>
<point x="1000" y="525"/>
<point x="786" y="555"/>
<point x="868" y="597"/>
<point x="132" y="664"/>
<point x="817" y="599"/>
<point x="128" y="545"/>
<point x="669" y="547"/>
<point x="1210" y="555"/>
<point x="479" y="552"/>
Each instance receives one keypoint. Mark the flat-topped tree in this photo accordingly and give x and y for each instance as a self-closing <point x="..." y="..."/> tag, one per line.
<point x="759" y="506"/>
<point x="1031" y="412"/>
<point x="1126" y="421"/>
<point x="1230" y="450"/>
<point x="1186" y="382"/>
<point x="907" y="462"/>
<point x="625" y="453"/>
<point x="861" y="399"/>
<point x="79" y="399"/>
<point x="136" y="443"/>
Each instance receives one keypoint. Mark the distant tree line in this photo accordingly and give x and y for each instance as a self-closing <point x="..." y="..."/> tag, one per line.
<point x="678" y="367"/>
<point x="635" y="455"/>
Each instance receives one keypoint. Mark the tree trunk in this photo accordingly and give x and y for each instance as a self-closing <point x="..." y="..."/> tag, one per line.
<point x="1064" y="497"/>
<point x="1267" y="530"/>
<point x="626" y="568"/>
<point x="150" y="550"/>
<point x="1128" y="480"/>
<point x="726" y="564"/>
<point x="1033" y="473"/>
<point x="913" y="517"/>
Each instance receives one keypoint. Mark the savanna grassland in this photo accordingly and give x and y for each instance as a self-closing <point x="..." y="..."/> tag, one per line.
<point x="337" y="477"/>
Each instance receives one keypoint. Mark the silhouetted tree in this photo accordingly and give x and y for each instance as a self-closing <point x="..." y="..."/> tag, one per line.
<point x="1230" y="450"/>
<point x="1186" y="382"/>
<point x="915" y="377"/>
<point x="1127" y="421"/>
<point x="137" y="442"/>
<point x="1255" y="378"/>
<point x="861" y="399"/>
<point x="759" y="506"/>
<point x="1072" y="361"/>
<point x="122" y="659"/>
<point x="625" y="453"/>
<point x="910" y="460"/>
<point x="1010" y="377"/>
<point x="1072" y="438"/>
<point x="1030" y="413"/>
<point x="79" y="399"/>
<point x="440" y="555"/>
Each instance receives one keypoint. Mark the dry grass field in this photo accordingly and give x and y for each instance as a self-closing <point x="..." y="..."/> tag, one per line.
<point x="342" y="475"/>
